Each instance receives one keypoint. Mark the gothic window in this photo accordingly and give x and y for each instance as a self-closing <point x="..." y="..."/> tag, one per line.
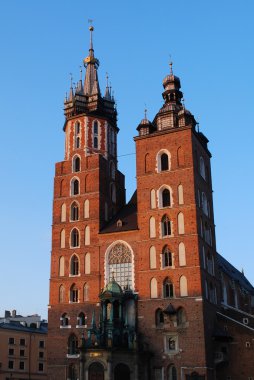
<point x="87" y="263"/>
<point x="86" y="292"/>
<point x="74" y="266"/>
<point x="165" y="226"/>
<point x="72" y="345"/>
<point x="183" y="286"/>
<point x="74" y="211"/>
<point x="95" y="134"/>
<point x="74" y="293"/>
<point x="152" y="257"/>
<point x="65" y="320"/>
<point x="152" y="199"/>
<point x="166" y="257"/>
<point x="81" y="319"/>
<point x="74" y="238"/>
<point x="63" y="212"/>
<point x="172" y="373"/>
<point x="165" y="197"/>
<point x="153" y="288"/>
<point x="62" y="238"/>
<point x="120" y="265"/>
<point x="87" y="235"/>
<point x="77" y="135"/>
<point x="76" y="164"/>
<point x="168" y="289"/>
<point x="180" y="195"/>
<point x="61" y="266"/>
<point x="152" y="230"/>
<point x="164" y="162"/>
<point x="74" y="186"/>
<point x="182" y="256"/>
<point x="180" y="221"/>
<point x="61" y="294"/>
<point x="159" y="318"/>
<point x="202" y="167"/>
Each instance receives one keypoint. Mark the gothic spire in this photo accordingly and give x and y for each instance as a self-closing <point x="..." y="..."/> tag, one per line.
<point x="91" y="85"/>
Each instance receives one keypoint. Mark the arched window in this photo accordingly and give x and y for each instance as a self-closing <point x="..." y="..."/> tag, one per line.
<point x="81" y="319"/>
<point x="96" y="371"/>
<point x="180" y="221"/>
<point x="164" y="162"/>
<point x="87" y="235"/>
<point x="159" y="318"/>
<point x="166" y="257"/>
<point x="65" y="320"/>
<point x="87" y="263"/>
<point x="74" y="186"/>
<point x="202" y="167"/>
<point x="152" y="199"/>
<point x="77" y="135"/>
<point x="182" y="256"/>
<point x="152" y="229"/>
<point x="165" y="195"/>
<point x="181" y="317"/>
<point x="152" y="257"/>
<point x="168" y="289"/>
<point x="76" y="164"/>
<point x="62" y="238"/>
<point x="153" y="288"/>
<point x="172" y="373"/>
<point x="183" y="286"/>
<point x="86" y="292"/>
<point x="61" y="294"/>
<point x="61" y="266"/>
<point x="75" y="238"/>
<point x="74" y="211"/>
<point x="165" y="226"/>
<point x="63" y="212"/>
<point x="72" y="345"/>
<point x="74" y="293"/>
<point x="180" y="195"/>
<point x="95" y="134"/>
<point x="74" y="266"/>
<point x="120" y="264"/>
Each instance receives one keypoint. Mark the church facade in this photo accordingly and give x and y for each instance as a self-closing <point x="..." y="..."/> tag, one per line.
<point x="137" y="289"/>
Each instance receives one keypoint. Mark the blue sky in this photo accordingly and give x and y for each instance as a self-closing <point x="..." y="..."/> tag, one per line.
<point x="211" y="44"/>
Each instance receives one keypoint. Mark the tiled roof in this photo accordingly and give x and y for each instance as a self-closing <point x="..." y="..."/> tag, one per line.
<point x="234" y="273"/>
<point x="16" y="326"/>
<point x="126" y="216"/>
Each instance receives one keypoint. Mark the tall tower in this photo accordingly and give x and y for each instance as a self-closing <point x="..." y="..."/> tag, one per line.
<point x="177" y="283"/>
<point x="88" y="191"/>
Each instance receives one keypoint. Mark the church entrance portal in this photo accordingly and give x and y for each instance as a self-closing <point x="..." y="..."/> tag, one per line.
<point x="96" y="371"/>
<point x="122" y="372"/>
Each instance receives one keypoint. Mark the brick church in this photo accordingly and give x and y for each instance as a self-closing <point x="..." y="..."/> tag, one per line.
<point x="137" y="288"/>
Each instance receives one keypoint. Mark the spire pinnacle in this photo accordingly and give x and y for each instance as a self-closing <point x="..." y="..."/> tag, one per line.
<point x="91" y="28"/>
<point x="145" y="112"/>
<point x="171" y="67"/>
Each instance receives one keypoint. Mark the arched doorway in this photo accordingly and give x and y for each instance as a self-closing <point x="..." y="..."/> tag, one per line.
<point x="96" y="371"/>
<point x="121" y="372"/>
